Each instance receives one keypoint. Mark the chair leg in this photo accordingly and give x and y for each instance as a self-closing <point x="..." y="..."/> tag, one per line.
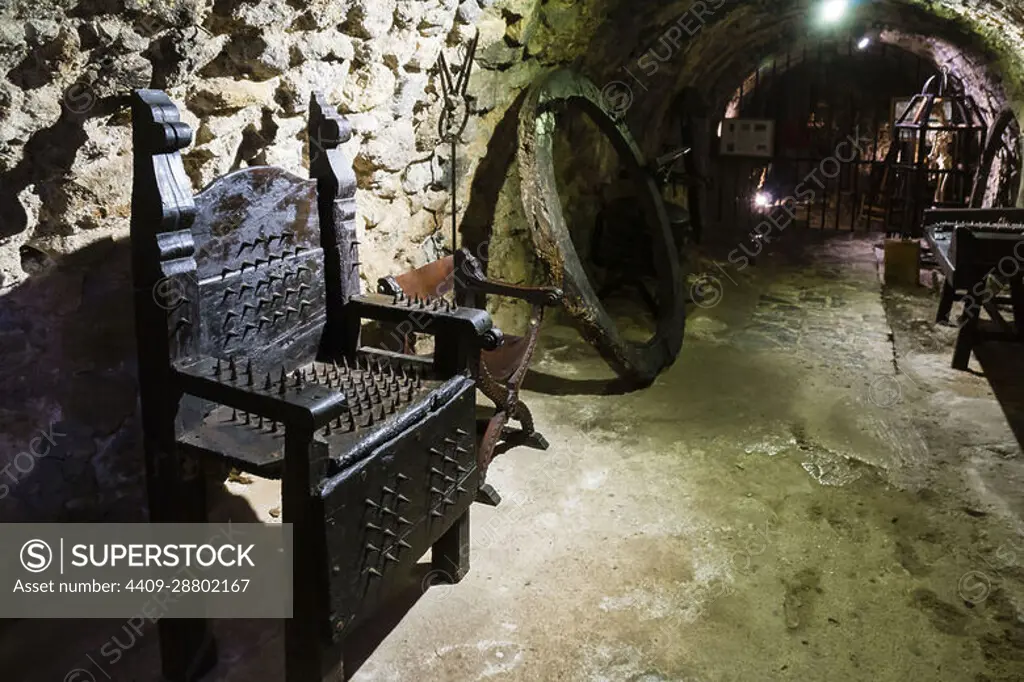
<point x="450" y="554"/>
<point x="1017" y="300"/>
<point x="187" y="649"/>
<point x="945" y="303"/>
<point x="308" y="656"/>
<point x="177" y="493"/>
<point x="966" y="338"/>
<point x="311" y="654"/>
<point x="529" y="436"/>
<point x="486" y="494"/>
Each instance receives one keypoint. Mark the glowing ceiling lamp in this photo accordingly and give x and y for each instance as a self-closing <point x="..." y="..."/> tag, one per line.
<point x="833" y="11"/>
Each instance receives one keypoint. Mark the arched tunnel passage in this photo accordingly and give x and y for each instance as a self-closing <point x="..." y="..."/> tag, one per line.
<point x="818" y="100"/>
<point x="738" y="55"/>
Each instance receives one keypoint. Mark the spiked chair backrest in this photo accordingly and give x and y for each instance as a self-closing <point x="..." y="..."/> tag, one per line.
<point x="240" y="267"/>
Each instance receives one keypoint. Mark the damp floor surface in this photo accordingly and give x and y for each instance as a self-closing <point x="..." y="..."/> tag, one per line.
<point x="809" y="493"/>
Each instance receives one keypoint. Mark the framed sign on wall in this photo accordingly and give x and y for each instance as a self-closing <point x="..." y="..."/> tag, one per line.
<point x="753" y="137"/>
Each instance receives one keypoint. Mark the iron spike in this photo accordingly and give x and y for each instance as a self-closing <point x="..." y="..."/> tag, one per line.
<point x="232" y="369"/>
<point x="248" y="373"/>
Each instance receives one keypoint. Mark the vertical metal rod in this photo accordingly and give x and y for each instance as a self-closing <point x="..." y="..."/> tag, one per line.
<point x="755" y="96"/>
<point x="839" y="196"/>
<point x="824" y="202"/>
<point x="873" y="162"/>
<point x="855" y="193"/>
<point x="455" y="198"/>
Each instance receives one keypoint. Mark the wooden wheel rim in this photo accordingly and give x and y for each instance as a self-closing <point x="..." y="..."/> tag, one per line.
<point x="639" y="362"/>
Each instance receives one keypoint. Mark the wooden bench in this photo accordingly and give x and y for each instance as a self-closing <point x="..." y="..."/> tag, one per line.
<point x="248" y="310"/>
<point x="970" y="245"/>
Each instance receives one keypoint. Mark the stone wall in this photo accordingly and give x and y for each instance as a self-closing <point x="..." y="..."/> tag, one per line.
<point x="242" y="71"/>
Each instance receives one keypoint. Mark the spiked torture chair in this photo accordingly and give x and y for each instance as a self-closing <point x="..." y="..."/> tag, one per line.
<point x="501" y="370"/>
<point x="248" y="311"/>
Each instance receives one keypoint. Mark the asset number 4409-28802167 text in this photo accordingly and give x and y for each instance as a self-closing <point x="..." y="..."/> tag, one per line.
<point x="188" y="585"/>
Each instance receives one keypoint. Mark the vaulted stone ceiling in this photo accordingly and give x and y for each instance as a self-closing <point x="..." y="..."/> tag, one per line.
<point x="658" y="48"/>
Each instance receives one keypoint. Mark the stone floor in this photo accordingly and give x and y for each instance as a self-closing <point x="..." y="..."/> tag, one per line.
<point x="809" y="493"/>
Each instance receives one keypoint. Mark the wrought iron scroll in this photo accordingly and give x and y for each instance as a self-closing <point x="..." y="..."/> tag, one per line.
<point x="455" y="115"/>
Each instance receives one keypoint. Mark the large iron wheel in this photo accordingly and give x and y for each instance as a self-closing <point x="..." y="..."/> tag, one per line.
<point x="637" y="362"/>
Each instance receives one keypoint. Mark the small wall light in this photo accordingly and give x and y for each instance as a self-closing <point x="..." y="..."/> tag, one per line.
<point x="863" y="43"/>
<point x="832" y="11"/>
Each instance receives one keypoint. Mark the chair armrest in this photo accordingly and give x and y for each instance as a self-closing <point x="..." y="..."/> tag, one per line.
<point x="543" y="296"/>
<point x="307" y="406"/>
<point x="471" y="274"/>
<point x="435" y="317"/>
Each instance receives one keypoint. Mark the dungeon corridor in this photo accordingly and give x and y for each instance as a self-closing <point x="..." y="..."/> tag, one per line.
<point x="592" y="341"/>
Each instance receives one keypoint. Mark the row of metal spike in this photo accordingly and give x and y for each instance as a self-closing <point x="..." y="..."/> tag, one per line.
<point x="385" y="514"/>
<point x="255" y="288"/>
<point x="450" y="482"/>
<point x="284" y="236"/>
<point x="374" y="390"/>
<point x="434" y="303"/>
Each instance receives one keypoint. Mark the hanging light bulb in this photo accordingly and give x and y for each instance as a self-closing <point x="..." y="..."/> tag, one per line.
<point x="832" y="11"/>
